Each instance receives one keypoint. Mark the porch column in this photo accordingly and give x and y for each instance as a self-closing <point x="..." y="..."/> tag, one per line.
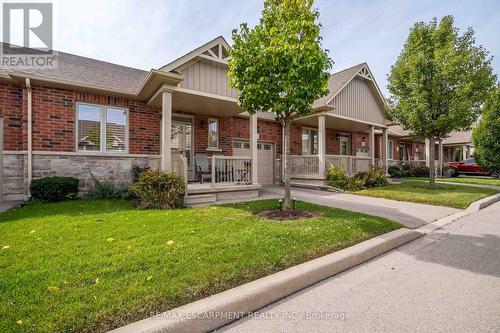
<point x="166" y="130"/>
<point x="441" y="157"/>
<point x="427" y="153"/>
<point x="371" y="145"/>
<point x="321" y="145"/>
<point x="253" y="147"/>
<point x="385" y="143"/>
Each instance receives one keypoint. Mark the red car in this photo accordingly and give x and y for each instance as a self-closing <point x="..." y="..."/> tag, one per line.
<point x="468" y="166"/>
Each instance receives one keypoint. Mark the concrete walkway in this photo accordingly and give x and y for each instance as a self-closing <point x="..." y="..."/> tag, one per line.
<point x="447" y="281"/>
<point x="412" y="215"/>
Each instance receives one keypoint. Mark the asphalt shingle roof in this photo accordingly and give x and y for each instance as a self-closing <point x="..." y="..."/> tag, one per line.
<point x="85" y="71"/>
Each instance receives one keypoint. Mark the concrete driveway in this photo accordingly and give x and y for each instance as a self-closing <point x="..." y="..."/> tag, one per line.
<point x="447" y="281"/>
<point x="412" y="215"/>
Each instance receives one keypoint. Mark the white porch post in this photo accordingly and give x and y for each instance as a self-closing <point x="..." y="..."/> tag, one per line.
<point x="427" y="152"/>
<point x="253" y="147"/>
<point x="371" y="145"/>
<point x="385" y="143"/>
<point x="166" y="130"/>
<point x="321" y="145"/>
<point x="464" y="152"/>
<point x="441" y="157"/>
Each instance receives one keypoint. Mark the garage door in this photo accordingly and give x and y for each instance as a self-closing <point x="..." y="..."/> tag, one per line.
<point x="265" y="159"/>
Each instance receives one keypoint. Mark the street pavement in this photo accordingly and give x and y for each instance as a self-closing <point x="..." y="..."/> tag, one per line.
<point x="447" y="281"/>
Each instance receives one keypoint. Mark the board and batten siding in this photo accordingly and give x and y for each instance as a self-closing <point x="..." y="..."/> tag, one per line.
<point x="357" y="101"/>
<point x="209" y="77"/>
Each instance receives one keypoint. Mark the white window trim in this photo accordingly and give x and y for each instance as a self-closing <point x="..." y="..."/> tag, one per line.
<point x="103" y="115"/>
<point x="311" y="142"/>
<point x="208" y="134"/>
<point x="348" y="141"/>
<point x="390" y="152"/>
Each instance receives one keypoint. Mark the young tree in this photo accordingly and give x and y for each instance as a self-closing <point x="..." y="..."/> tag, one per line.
<point x="280" y="66"/>
<point x="439" y="82"/>
<point x="486" y="135"/>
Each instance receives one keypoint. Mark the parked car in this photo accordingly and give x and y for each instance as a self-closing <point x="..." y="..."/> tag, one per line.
<point x="468" y="167"/>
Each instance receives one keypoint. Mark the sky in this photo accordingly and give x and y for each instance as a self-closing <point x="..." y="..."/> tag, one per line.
<point x="147" y="34"/>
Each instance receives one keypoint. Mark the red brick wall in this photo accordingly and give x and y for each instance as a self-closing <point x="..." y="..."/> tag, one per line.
<point x="54" y="119"/>
<point x="268" y="131"/>
<point x="11" y="109"/>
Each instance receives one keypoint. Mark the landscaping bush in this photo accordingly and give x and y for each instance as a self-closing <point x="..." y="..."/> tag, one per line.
<point x="373" y="178"/>
<point x="107" y="190"/>
<point x="52" y="189"/>
<point x="354" y="184"/>
<point x="159" y="190"/>
<point x="408" y="170"/>
<point x="336" y="177"/>
<point x="136" y="171"/>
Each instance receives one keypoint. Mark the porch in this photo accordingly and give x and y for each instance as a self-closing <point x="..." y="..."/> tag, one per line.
<point x="334" y="141"/>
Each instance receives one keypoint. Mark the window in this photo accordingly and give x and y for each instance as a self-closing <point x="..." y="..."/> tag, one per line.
<point x="213" y="134"/>
<point x="344" y="146"/>
<point x="309" y="141"/>
<point x="101" y="128"/>
<point x="390" y="149"/>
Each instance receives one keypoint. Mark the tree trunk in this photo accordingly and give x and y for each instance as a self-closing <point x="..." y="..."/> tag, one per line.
<point x="432" y="171"/>
<point x="286" y="169"/>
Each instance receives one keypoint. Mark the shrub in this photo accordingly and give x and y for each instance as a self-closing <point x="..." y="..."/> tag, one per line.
<point x="107" y="190"/>
<point x="408" y="170"/>
<point x="421" y="171"/>
<point x="394" y="171"/>
<point x="354" y="184"/>
<point x="373" y="178"/>
<point x="159" y="190"/>
<point x="136" y="171"/>
<point x="52" y="189"/>
<point x="336" y="177"/>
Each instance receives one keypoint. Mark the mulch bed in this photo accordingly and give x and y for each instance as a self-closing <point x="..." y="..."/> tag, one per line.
<point x="278" y="214"/>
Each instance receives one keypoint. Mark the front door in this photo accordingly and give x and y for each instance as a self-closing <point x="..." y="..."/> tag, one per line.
<point x="182" y="140"/>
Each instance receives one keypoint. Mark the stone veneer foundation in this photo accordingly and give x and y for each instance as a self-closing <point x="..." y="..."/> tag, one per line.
<point x="113" y="168"/>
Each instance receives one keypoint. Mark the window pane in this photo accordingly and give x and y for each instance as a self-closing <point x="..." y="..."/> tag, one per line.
<point x="314" y="142"/>
<point x="306" y="145"/>
<point x="213" y="133"/>
<point x="116" y="121"/>
<point x="390" y="149"/>
<point x="89" y="127"/>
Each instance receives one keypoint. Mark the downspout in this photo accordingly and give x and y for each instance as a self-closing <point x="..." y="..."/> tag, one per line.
<point x="30" y="138"/>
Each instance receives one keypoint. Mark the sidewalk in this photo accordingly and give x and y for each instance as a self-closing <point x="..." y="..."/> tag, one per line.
<point x="412" y="215"/>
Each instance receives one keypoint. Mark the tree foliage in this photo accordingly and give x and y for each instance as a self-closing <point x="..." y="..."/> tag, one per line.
<point x="439" y="81"/>
<point x="486" y="135"/>
<point x="279" y="66"/>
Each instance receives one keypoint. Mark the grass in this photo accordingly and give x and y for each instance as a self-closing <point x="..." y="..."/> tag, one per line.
<point x="441" y="194"/>
<point x="464" y="180"/>
<point x="86" y="266"/>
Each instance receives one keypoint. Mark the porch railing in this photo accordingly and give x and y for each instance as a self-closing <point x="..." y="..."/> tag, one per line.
<point x="351" y="164"/>
<point x="179" y="165"/>
<point x="304" y="164"/>
<point x="412" y="162"/>
<point x="231" y="170"/>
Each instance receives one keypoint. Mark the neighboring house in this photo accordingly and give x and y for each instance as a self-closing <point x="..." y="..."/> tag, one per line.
<point x="99" y="116"/>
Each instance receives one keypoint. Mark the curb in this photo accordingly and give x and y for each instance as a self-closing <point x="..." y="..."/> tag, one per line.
<point x="221" y="309"/>
<point x="473" y="208"/>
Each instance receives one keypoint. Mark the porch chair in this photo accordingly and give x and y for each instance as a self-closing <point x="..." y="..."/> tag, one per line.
<point x="202" y="167"/>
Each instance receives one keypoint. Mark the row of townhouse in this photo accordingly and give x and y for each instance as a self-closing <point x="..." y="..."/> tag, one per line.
<point x="92" y="116"/>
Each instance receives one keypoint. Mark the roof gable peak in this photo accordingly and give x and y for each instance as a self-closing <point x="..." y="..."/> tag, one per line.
<point x="216" y="50"/>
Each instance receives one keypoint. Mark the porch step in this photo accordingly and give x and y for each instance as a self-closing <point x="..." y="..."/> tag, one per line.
<point x="198" y="199"/>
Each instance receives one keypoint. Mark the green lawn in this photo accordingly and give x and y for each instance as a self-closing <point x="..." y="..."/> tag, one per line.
<point x="441" y="194"/>
<point x="87" y="266"/>
<point x="464" y="180"/>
